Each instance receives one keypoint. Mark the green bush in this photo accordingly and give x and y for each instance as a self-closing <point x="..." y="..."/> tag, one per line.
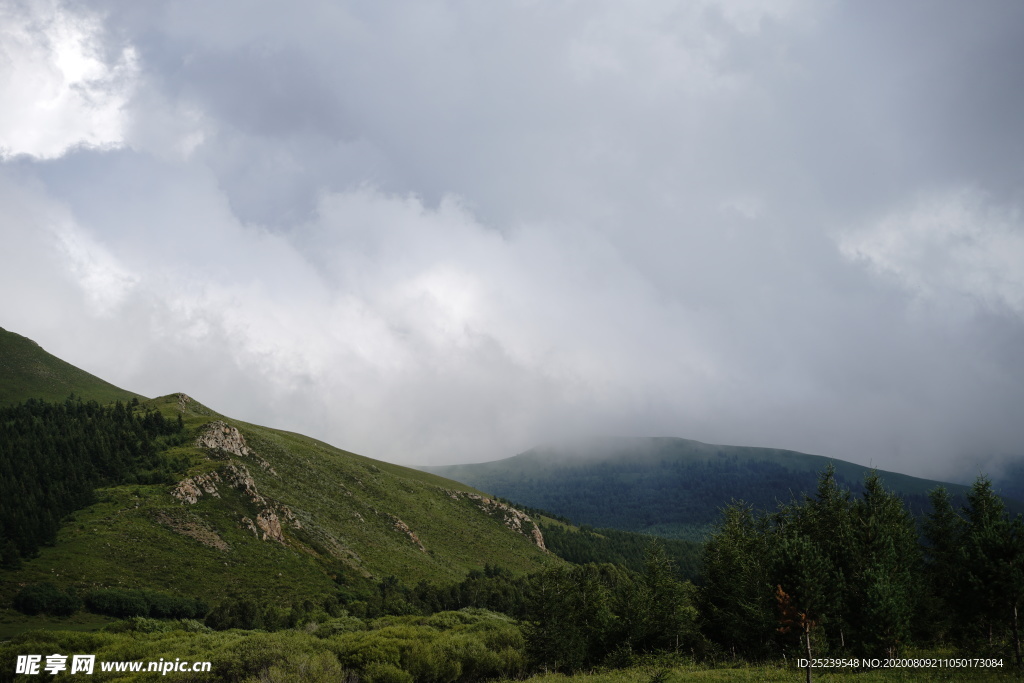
<point x="45" y="598"/>
<point x="148" y="625"/>
<point x="116" y="602"/>
<point x="377" y="672"/>
<point x="316" y="668"/>
<point x="333" y="627"/>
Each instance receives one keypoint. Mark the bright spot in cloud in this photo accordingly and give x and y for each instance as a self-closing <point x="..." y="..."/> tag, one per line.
<point x="58" y="91"/>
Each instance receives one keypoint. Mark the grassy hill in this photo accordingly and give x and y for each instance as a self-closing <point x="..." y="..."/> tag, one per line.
<point x="666" y="486"/>
<point x="258" y="513"/>
<point x="27" y="371"/>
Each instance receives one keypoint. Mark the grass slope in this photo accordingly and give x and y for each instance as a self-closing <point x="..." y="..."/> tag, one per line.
<point x="352" y="518"/>
<point x="350" y="510"/>
<point x="27" y="371"/>
<point x="666" y="486"/>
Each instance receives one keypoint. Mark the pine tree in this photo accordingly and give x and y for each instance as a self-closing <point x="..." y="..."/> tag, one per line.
<point x="737" y="597"/>
<point x="828" y="522"/>
<point x="883" y="590"/>
<point x="659" y="610"/>
<point x="993" y="575"/>
<point x="943" y="531"/>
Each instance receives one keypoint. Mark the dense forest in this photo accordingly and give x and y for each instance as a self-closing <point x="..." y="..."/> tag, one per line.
<point x="674" y="491"/>
<point x="669" y="497"/>
<point x="852" y="576"/>
<point x="54" y="455"/>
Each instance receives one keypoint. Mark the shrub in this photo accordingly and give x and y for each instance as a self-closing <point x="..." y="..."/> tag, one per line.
<point x="334" y="627"/>
<point x="386" y="673"/>
<point x="45" y="598"/>
<point x="116" y="602"/>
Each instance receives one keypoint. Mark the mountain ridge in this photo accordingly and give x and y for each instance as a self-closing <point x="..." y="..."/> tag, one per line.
<point x="253" y="511"/>
<point x="28" y="371"/>
<point x="669" y="486"/>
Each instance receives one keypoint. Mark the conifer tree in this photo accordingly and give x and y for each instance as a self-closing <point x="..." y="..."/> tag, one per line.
<point x="883" y="591"/>
<point x="828" y="522"/>
<point x="804" y="592"/>
<point x="943" y="532"/>
<point x="737" y="596"/>
<point x="993" y="575"/>
<point x="659" y="609"/>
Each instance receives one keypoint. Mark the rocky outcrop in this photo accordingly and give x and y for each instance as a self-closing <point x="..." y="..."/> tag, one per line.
<point x="238" y="477"/>
<point x="248" y="524"/>
<point x="267" y="525"/>
<point x="289" y="516"/>
<point x="514" y="519"/>
<point x="192" y="489"/>
<point x="270" y="525"/>
<point x="220" y="436"/>
<point x="404" y="528"/>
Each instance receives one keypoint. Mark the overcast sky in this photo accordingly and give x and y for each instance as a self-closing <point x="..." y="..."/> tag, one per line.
<point x="447" y="231"/>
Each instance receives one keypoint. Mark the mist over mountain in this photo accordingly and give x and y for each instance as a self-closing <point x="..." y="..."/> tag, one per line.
<point x="674" y="487"/>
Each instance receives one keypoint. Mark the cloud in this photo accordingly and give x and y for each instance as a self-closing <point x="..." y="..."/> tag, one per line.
<point x="59" y="88"/>
<point x="956" y="245"/>
<point x="447" y="233"/>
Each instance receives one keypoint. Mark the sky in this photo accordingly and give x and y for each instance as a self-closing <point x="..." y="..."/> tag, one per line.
<point x="444" y="231"/>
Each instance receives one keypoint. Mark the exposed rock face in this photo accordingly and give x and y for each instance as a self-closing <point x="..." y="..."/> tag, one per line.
<point x="247" y="524"/>
<point x="183" y="401"/>
<point x="227" y="439"/>
<point x="238" y="476"/>
<point x="191" y="490"/>
<point x="289" y="516"/>
<point x="269" y="524"/>
<point x="514" y="519"/>
<point x="221" y="436"/>
<point x="404" y="528"/>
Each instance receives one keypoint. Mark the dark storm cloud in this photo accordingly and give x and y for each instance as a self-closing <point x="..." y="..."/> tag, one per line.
<point x="441" y="231"/>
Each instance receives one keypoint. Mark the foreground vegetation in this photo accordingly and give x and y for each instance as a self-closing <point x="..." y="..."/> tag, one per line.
<point x="469" y="645"/>
<point x="447" y="647"/>
<point x="849" y="577"/>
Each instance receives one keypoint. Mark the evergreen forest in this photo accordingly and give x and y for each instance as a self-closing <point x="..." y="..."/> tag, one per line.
<point x="54" y="455"/>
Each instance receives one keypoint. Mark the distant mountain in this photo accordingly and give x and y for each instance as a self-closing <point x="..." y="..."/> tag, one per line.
<point x="1010" y="479"/>
<point x="670" y="487"/>
<point x="238" y="509"/>
<point x="27" y="371"/>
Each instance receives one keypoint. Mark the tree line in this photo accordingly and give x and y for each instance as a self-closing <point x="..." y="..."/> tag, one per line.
<point x="835" y="575"/>
<point x="54" y="455"/>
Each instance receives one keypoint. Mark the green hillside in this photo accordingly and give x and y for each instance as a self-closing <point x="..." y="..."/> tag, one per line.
<point x="234" y="509"/>
<point x="27" y="371"/>
<point x="667" y="486"/>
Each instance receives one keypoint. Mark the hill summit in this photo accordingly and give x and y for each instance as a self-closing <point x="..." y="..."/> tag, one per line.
<point x="209" y="506"/>
<point x="668" y="486"/>
<point x="27" y="371"/>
